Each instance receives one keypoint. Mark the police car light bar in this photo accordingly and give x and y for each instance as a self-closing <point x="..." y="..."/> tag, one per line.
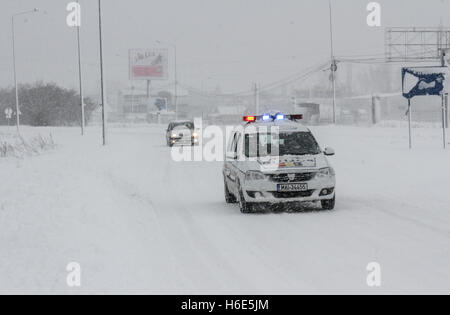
<point x="268" y="117"/>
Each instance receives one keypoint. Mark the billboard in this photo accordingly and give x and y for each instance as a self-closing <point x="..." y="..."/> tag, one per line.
<point x="419" y="81"/>
<point x="149" y="64"/>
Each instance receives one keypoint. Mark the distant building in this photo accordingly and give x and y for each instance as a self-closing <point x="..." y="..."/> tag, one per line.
<point x="310" y="112"/>
<point x="228" y="114"/>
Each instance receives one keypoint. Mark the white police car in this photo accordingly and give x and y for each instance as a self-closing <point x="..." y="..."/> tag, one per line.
<point x="273" y="159"/>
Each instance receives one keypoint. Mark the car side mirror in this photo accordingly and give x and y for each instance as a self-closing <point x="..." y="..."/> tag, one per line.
<point x="329" y="152"/>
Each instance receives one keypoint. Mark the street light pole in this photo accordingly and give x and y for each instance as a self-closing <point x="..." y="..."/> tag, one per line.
<point x="101" y="73"/>
<point x="176" y="82"/>
<point x="14" y="64"/>
<point x="15" y="75"/>
<point x="80" y="77"/>
<point x="333" y="64"/>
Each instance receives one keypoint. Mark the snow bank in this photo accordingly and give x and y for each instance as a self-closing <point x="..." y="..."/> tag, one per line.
<point x="404" y="124"/>
<point x="13" y="145"/>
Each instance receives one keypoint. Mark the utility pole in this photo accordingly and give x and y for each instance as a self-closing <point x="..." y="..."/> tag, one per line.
<point x="101" y="73"/>
<point x="410" y="123"/>
<point x="294" y="102"/>
<point x="132" y="97"/>
<point x="176" y="82"/>
<point x="333" y="65"/>
<point x="257" y="98"/>
<point x="14" y="64"/>
<point x="446" y="111"/>
<point x="149" y="82"/>
<point x="80" y="76"/>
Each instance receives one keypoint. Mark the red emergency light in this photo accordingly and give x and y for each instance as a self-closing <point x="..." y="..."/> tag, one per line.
<point x="296" y="117"/>
<point x="249" y="118"/>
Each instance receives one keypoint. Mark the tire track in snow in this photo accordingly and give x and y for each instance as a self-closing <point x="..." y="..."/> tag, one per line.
<point x="184" y="238"/>
<point x="146" y="207"/>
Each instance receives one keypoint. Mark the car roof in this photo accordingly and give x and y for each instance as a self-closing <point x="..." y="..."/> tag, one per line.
<point x="181" y="121"/>
<point x="284" y="125"/>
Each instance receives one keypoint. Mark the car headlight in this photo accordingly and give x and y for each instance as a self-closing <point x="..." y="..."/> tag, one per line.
<point x="254" y="175"/>
<point x="174" y="135"/>
<point x="194" y="135"/>
<point x="325" y="172"/>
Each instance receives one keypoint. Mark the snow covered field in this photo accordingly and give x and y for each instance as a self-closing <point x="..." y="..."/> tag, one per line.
<point x="138" y="222"/>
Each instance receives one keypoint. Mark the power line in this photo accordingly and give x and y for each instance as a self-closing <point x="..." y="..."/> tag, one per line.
<point x="271" y="86"/>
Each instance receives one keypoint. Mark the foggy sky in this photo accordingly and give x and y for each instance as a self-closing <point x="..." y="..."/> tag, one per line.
<point x="230" y="43"/>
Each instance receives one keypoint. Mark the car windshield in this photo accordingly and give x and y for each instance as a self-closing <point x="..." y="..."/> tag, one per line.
<point x="187" y="124"/>
<point x="286" y="143"/>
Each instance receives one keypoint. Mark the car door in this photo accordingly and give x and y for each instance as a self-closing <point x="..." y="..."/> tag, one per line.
<point x="234" y="164"/>
<point x="229" y="171"/>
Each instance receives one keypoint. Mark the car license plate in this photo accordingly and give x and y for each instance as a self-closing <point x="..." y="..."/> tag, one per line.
<point x="292" y="187"/>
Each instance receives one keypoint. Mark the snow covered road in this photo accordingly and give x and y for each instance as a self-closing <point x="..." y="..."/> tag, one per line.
<point x="138" y="222"/>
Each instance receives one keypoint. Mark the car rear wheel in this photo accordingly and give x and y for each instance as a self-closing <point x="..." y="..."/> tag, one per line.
<point x="229" y="197"/>
<point x="329" y="204"/>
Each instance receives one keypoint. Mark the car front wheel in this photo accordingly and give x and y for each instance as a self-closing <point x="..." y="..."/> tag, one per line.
<point x="244" y="206"/>
<point x="329" y="204"/>
<point x="229" y="197"/>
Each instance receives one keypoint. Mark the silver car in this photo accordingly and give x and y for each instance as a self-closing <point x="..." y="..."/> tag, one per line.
<point x="181" y="133"/>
